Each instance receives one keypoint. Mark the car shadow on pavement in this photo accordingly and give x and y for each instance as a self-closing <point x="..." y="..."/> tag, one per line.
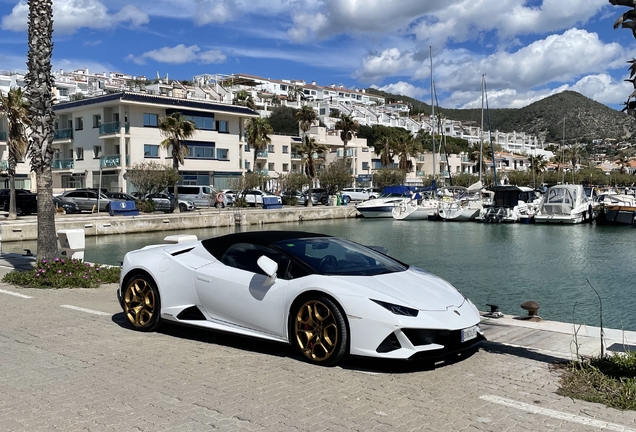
<point x="278" y="349"/>
<point x="497" y="348"/>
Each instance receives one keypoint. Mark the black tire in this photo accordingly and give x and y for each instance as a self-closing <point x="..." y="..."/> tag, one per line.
<point x="183" y="207"/>
<point x="19" y="212"/>
<point x="107" y="208"/>
<point x="321" y="341"/>
<point x="141" y="303"/>
<point x="324" y="200"/>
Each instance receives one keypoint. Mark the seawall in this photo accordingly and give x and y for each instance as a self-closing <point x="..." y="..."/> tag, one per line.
<point x="25" y="228"/>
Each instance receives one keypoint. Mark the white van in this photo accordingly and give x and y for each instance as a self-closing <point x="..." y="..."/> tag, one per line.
<point x="201" y="196"/>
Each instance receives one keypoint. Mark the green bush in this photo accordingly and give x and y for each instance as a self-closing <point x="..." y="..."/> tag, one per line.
<point x="289" y="200"/>
<point x="146" y="206"/>
<point x="63" y="273"/>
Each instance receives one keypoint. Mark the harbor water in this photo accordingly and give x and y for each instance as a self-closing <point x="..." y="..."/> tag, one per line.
<point x="559" y="267"/>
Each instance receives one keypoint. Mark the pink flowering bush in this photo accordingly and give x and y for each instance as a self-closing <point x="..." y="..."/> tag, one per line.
<point x="63" y="273"/>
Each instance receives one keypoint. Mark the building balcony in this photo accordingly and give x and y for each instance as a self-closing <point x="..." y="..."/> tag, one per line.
<point x="113" y="128"/>
<point x="4" y="165"/>
<point x="3" y="136"/>
<point x="63" y="164"/>
<point x="261" y="171"/>
<point x="261" y="154"/>
<point x="110" y="161"/>
<point x="296" y="156"/>
<point x="420" y="173"/>
<point x="63" y="134"/>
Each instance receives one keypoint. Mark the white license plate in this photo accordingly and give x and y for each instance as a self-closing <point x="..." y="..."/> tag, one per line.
<point x="469" y="333"/>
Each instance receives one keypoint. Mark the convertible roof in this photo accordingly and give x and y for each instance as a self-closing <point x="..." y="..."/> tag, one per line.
<point x="218" y="245"/>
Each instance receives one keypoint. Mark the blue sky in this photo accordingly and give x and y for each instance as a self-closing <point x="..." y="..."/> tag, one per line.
<point x="528" y="49"/>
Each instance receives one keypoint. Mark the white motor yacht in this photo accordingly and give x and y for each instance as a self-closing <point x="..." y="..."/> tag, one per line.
<point x="511" y="204"/>
<point x="566" y="204"/>
<point x="382" y="206"/>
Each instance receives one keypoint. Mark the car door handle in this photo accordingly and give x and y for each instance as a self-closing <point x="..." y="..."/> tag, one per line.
<point x="204" y="278"/>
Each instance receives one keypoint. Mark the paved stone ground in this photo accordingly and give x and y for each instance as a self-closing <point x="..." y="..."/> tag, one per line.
<point x="71" y="370"/>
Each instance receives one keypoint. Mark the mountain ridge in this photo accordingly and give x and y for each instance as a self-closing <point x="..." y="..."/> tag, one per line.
<point x="585" y="118"/>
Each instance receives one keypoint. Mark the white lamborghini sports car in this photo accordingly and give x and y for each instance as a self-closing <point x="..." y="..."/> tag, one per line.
<point x="326" y="296"/>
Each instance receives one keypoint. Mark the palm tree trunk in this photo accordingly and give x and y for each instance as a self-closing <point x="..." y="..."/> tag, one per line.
<point x="40" y="94"/>
<point x="12" y="204"/>
<point x="175" y="188"/>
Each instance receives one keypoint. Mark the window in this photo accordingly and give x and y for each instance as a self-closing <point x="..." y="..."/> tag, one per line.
<point x="222" y="126"/>
<point x="204" y="123"/>
<point x="270" y="166"/>
<point x="97" y="120"/>
<point x="151" y="120"/>
<point x="285" y="167"/>
<point x="270" y="148"/>
<point x="247" y="165"/>
<point x="247" y="147"/>
<point x="201" y="152"/>
<point x="285" y="149"/>
<point x="79" y="153"/>
<point x="365" y="165"/>
<point x="221" y="154"/>
<point x="115" y="117"/>
<point x="151" y="151"/>
<point x="283" y="87"/>
<point x="79" y="123"/>
<point x="97" y="152"/>
<point x="322" y="111"/>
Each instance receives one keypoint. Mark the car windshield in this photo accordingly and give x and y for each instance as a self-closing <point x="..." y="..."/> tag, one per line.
<point x="336" y="256"/>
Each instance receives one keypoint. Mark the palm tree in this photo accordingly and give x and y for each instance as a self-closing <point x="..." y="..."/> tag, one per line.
<point x="309" y="148"/>
<point x="39" y="92"/>
<point x="347" y="127"/>
<point x="257" y="135"/>
<point x="16" y="109"/>
<point x="384" y="147"/>
<point x="306" y="117"/>
<point x="538" y="163"/>
<point x="406" y="147"/>
<point x="176" y="128"/>
<point x="245" y="99"/>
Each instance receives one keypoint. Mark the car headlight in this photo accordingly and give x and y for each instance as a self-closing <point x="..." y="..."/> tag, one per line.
<point x="397" y="309"/>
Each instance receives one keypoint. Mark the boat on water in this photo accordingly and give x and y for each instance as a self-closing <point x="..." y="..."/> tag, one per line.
<point x="566" y="204"/>
<point x="382" y="206"/>
<point x="511" y="204"/>
<point x="616" y="209"/>
<point x="467" y="206"/>
<point x="423" y="205"/>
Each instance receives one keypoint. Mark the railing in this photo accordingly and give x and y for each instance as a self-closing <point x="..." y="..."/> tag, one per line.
<point x="63" y="134"/>
<point x="296" y="156"/>
<point x="63" y="164"/>
<point x="3" y="136"/>
<point x="261" y="154"/>
<point x="110" y="161"/>
<point x="4" y="165"/>
<point x="109" y="128"/>
<point x="261" y="171"/>
<point x="420" y="173"/>
<point x="421" y="158"/>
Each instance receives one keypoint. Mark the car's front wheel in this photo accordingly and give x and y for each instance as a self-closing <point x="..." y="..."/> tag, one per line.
<point x="324" y="200"/>
<point x="183" y="207"/>
<point x="319" y="331"/>
<point x="141" y="303"/>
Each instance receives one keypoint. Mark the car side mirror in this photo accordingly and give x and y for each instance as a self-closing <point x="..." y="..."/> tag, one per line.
<point x="268" y="265"/>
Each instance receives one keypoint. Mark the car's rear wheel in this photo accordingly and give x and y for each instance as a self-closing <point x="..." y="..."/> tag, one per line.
<point x="324" y="200"/>
<point x="319" y="331"/>
<point x="141" y="303"/>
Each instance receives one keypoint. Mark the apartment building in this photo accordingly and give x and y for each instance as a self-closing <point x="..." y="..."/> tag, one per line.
<point x="97" y="139"/>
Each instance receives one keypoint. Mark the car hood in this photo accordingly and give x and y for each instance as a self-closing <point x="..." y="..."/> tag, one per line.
<point x="414" y="287"/>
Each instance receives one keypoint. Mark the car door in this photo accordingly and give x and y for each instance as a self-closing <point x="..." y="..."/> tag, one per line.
<point x="236" y="291"/>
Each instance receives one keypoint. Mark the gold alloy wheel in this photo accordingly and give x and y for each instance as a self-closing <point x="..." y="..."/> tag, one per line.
<point x="316" y="331"/>
<point x="139" y="302"/>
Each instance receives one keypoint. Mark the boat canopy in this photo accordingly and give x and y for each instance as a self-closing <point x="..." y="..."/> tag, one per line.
<point x="561" y="199"/>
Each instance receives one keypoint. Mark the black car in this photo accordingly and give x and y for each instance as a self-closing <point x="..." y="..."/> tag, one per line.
<point x="69" y="206"/>
<point x="4" y="194"/>
<point x="25" y="204"/>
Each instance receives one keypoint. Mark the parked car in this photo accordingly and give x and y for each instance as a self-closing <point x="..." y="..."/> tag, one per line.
<point x="69" y="206"/>
<point x="360" y="194"/>
<point x="121" y="196"/>
<point x="318" y="195"/>
<point x="255" y="197"/>
<point x="87" y="199"/>
<point x="165" y="202"/>
<point x="201" y="196"/>
<point x="25" y="204"/>
<point x="4" y="194"/>
<point x="302" y="289"/>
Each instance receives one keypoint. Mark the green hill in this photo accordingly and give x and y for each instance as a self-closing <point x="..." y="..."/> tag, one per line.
<point x="585" y="119"/>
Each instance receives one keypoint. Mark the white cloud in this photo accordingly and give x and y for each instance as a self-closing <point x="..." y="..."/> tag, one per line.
<point x="390" y="62"/>
<point x="71" y="15"/>
<point x="215" y="11"/>
<point x="404" y="88"/>
<point x="178" y="55"/>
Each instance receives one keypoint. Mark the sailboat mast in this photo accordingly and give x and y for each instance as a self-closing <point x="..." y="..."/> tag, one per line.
<point x="433" y="123"/>
<point x="481" y="131"/>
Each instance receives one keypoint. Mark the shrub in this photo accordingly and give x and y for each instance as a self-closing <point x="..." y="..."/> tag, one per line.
<point x="146" y="206"/>
<point x="63" y="273"/>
